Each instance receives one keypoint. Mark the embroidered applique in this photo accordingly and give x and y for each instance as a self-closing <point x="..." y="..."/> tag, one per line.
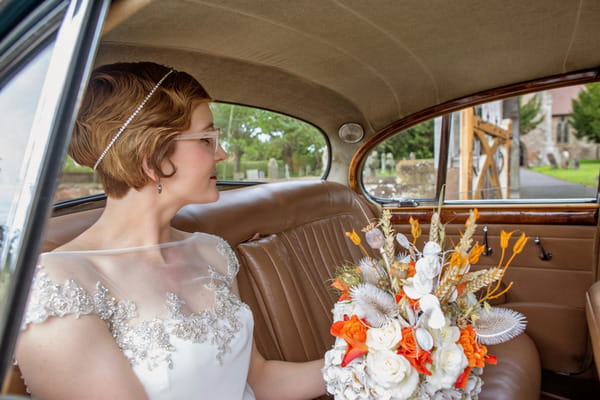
<point x="233" y="265"/>
<point x="147" y="342"/>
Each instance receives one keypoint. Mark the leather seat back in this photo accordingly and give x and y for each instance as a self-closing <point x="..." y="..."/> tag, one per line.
<point x="592" y="311"/>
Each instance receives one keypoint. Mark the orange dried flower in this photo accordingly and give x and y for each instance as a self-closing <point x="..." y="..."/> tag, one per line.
<point x="415" y="228"/>
<point x="476" y="253"/>
<point x="457" y="259"/>
<point x="520" y="244"/>
<point x="476" y="353"/>
<point x="504" y="238"/>
<point x="354" y="332"/>
<point x="354" y="237"/>
<point x="343" y="288"/>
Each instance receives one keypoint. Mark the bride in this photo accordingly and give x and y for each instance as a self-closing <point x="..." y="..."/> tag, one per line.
<point x="133" y="308"/>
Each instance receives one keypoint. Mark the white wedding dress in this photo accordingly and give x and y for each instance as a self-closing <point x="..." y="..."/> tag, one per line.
<point x="169" y="308"/>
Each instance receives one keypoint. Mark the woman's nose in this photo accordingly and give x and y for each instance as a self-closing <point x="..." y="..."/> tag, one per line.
<point x="221" y="154"/>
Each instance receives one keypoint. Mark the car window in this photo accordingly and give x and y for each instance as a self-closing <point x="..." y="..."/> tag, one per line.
<point x="404" y="166"/>
<point x="261" y="146"/>
<point x="18" y="102"/>
<point x="539" y="147"/>
<point x="265" y="146"/>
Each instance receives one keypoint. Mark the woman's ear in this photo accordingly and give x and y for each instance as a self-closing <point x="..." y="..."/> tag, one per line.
<point x="149" y="171"/>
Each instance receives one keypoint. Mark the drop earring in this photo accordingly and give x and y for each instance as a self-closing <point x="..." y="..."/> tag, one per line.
<point x="159" y="187"/>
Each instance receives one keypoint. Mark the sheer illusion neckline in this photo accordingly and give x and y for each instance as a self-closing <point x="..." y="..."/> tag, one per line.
<point x="164" y="245"/>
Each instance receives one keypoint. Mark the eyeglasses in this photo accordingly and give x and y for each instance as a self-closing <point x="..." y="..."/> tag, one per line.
<point x="212" y="137"/>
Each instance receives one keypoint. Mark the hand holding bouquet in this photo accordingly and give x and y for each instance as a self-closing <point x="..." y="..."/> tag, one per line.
<point x="409" y="325"/>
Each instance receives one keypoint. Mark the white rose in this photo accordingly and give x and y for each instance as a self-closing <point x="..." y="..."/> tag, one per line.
<point x="392" y="372"/>
<point x="385" y="338"/>
<point x="447" y="335"/>
<point x="449" y="361"/>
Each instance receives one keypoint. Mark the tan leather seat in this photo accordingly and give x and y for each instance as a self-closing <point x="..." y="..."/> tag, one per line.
<point x="592" y="313"/>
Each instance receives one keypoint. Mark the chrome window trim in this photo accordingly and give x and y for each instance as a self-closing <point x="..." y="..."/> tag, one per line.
<point x="69" y="66"/>
<point x="18" y="46"/>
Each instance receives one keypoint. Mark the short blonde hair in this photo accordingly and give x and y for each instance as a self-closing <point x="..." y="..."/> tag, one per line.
<point x="112" y="95"/>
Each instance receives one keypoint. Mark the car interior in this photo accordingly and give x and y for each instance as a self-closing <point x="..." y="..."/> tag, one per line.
<point x="386" y="66"/>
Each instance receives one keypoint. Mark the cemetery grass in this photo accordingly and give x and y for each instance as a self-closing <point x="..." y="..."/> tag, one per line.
<point x="586" y="174"/>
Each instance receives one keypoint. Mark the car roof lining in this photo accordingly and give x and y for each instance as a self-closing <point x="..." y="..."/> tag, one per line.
<point x="353" y="61"/>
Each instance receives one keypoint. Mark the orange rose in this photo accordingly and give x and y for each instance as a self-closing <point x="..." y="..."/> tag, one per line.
<point x="417" y="357"/>
<point x="354" y="332"/>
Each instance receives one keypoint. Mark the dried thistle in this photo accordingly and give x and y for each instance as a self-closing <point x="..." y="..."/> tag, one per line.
<point x="374" y="304"/>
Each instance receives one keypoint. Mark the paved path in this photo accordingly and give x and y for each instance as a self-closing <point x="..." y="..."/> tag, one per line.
<point x="539" y="186"/>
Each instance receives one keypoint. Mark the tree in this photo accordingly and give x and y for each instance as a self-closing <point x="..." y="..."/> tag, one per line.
<point x="417" y="140"/>
<point x="252" y="134"/>
<point x="529" y="114"/>
<point x="237" y="126"/>
<point x="585" y="118"/>
<point x="295" y="142"/>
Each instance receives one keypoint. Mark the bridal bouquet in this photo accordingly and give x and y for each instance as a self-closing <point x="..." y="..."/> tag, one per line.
<point x="414" y="325"/>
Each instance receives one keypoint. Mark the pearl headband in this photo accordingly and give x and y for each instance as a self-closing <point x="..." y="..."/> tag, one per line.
<point x="131" y="117"/>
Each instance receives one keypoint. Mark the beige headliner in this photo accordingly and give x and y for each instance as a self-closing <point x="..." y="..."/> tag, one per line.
<point x="372" y="62"/>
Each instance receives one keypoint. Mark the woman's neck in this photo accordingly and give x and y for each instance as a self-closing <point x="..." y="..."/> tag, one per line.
<point x="140" y="218"/>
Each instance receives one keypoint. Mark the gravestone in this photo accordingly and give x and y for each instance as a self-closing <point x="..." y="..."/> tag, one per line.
<point x="565" y="159"/>
<point x="390" y="163"/>
<point x="372" y="163"/>
<point x="552" y="160"/>
<point x="575" y="163"/>
<point x="252" y="174"/>
<point x="273" y="169"/>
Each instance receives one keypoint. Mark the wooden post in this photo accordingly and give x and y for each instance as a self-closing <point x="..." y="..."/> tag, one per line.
<point x="466" y="154"/>
<point x="509" y="155"/>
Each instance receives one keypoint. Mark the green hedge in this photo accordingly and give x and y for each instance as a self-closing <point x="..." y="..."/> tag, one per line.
<point x="225" y="168"/>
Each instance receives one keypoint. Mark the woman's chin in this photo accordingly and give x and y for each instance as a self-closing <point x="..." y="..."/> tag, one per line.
<point x="210" y="196"/>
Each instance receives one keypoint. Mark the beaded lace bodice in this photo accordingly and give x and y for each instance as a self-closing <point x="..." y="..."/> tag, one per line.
<point x="157" y="302"/>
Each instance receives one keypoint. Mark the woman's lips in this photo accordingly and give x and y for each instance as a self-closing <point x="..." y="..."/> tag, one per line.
<point x="214" y="177"/>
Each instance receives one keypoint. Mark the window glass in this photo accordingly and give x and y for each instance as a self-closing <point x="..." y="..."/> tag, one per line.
<point x="18" y="103"/>
<point x="261" y="146"/>
<point x="536" y="147"/>
<point x="264" y="146"/>
<point x="404" y="166"/>
<point x="77" y="181"/>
